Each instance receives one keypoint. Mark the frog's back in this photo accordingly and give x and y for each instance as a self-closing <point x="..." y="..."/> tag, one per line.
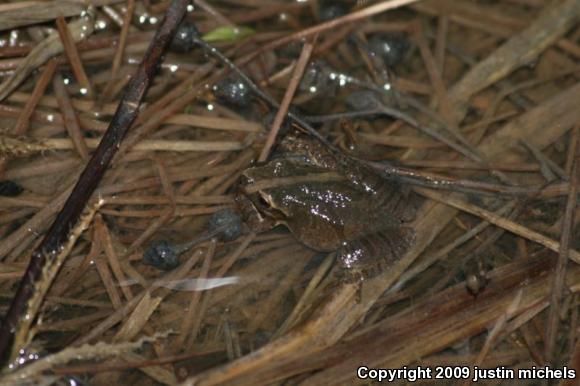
<point x="320" y="214"/>
<point x="383" y="195"/>
<point x="332" y="202"/>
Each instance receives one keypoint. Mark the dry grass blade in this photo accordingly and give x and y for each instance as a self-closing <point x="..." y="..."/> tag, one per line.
<point x="325" y="328"/>
<point x="23" y="330"/>
<point x="128" y="307"/>
<point x="12" y="147"/>
<point x="138" y="318"/>
<point x="288" y="95"/>
<point x="517" y="51"/>
<point x="73" y="56"/>
<point x="35" y="97"/>
<point x="329" y="25"/>
<point x="564" y="254"/>
<point x="432" y="258"/>
<point x="120" y="48"/>
<point x="34" y="12"/>
<point x="89" y="178"/>
<point x="532" y="125"/>
<point x="499" y="221"/>
<point x="45" y="50"/>
<point x="186" y="338"/>
<point x="85" y="352"/>
<point x="277" y="295"/>
<point x="464" y="93"/>
<point x="499" y="325"/>
<point x="436" y="328"/>
<point x="112" y="257"/>
<point x="35" y="224"/>
<point x="70" y="119"/>
<point x="306" y="298"/>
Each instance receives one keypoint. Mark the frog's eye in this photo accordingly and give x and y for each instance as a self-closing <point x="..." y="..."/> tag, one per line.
<point x="262" y="202"/>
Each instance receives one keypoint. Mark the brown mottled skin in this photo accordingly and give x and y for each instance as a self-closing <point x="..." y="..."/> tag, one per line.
<point x="329" y="203"/>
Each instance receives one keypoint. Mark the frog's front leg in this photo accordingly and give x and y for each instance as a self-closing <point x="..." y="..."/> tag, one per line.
<point x="372" y="253"/>
<point x="252" y="217"/>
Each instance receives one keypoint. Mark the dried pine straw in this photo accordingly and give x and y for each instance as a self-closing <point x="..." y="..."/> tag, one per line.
<point x="486" y="92"/>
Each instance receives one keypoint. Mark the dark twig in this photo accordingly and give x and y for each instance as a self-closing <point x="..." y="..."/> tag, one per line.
<point x="92" y="174"/>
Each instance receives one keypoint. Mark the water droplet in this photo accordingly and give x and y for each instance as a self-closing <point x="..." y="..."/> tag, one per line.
<point x="100" y="24"/>
<point x="14" y="37"/>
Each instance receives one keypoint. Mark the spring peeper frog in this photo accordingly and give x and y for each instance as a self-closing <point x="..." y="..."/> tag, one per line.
<point x="329" y="204"/>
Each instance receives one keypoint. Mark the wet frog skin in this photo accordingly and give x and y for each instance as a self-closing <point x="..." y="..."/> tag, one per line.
<point x="329" y="203"/>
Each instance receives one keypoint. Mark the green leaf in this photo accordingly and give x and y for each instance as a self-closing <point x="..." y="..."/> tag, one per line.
<point x="230" y="34"/>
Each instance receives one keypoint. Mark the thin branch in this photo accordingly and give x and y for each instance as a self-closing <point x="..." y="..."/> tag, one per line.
<point x="92" y="174"/>
<point x="499" y="221"/>
<point x="73" y="57"/>
<point x="117" y="59"/>
<point x="290" y="91"/>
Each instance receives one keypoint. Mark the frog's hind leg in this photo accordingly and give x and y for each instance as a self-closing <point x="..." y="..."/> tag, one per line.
<point x="392" y="199"/>
<point x="371" y="254"/>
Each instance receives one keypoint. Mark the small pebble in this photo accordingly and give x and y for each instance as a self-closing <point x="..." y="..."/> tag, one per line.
<point x="161" y="255"/>
<point x="391" y="47"/>
<point x="233" y="91"/>
<point x="10" y="189"/>
<point x="230" y="220"/>
<point x="185" y="38"/>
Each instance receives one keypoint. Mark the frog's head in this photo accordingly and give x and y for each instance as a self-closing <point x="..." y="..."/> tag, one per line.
<point x="256" y="204"/>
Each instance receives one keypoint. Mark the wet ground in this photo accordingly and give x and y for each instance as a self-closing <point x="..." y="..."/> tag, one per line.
<point x="468" y="108"/>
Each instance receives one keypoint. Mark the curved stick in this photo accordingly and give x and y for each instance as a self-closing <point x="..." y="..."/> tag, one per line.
<point x="89" y="179"/>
